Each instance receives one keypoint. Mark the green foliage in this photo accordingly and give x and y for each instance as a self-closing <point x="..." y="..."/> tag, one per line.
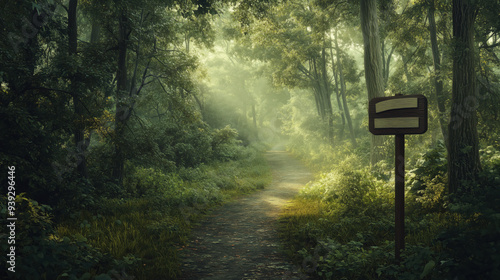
<point x="224" y="144"/>
<point x="432" y="163"/>
<point x="30" y="143"/>
<point x="169" y="145"/>
<point x="341" y="225"/>
<point x="99" y="159"/>
<point x="343" y="245"/>
<point x="181" y="158"/>
<point x="490" y="160"/>
<point x="42" y="254"/>
<point x="350" y="193"/>
<point x="149" y="181"/>
<point x="348" y="261"/>
<point x="428" y="180"/>
<point x="147" y="230"/>
<point x="472" y="243"/>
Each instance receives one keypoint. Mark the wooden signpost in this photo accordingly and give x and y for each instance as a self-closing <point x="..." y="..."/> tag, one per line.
<point x="398" y="115"/>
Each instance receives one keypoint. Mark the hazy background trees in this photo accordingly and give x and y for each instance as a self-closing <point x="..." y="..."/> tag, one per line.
<point x="95" y="95"/>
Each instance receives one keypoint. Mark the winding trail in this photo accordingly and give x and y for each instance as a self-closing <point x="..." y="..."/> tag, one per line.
<point x="240" y="240"/>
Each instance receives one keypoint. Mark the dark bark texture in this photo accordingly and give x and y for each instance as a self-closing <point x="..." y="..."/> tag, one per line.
<point x="79" y="132"/>
<point x="343" y="94"/>
<point x="122" y="108"/>
<point x="373" y="65"/>
<point x="463" y="154"/>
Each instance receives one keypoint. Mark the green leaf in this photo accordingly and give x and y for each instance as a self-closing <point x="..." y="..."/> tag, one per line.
<point x="80" y="238"/>
<point x="427" y="269"/>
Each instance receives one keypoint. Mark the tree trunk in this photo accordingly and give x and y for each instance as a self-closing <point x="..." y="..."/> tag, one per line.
<point x="388" y="67"/>
<point x="320" y="84"/>
<point x="438" y="82"/>
<point x="463" y="154"/>
<point x="342" y="92"/>
<point x="79" y="131"/>
<point x="315" y="80"/>
<point x="326" y="89"/>
<point x="373" y="66"/>
<point x="122" y="109"/>
<point x="386" y="63"/>
<point x="337" y="95"/>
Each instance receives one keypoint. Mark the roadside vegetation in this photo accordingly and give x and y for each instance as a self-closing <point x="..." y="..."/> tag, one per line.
<point x="146" y="232"/>
<point x="138" y="233"/>
<point x="122" y="122"/>
<point x="119" y="141"/>
<point x="341" y="225"/>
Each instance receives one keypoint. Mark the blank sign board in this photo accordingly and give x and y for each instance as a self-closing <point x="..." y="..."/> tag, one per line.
<point x="401" y="114"/>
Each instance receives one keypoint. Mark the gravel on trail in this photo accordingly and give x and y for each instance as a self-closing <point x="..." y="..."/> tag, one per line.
<point x="239" y="240"/>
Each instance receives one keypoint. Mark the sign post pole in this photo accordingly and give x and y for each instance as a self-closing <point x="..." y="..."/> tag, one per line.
<point x="398" y="115"/>
<point x="399" y="202"/>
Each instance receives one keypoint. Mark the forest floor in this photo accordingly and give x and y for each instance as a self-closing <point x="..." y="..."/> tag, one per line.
<point x="240" y="240"/>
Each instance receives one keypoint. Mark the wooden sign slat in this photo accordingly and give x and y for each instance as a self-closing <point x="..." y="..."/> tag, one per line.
<point x="402" y="114"/>
<point x="399" y="103"/>
<point x="411" y="122"/>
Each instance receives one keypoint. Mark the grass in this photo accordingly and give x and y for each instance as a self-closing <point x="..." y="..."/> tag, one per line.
<point x="344" y="223"/>
<point x="333" y="234"/>
<point x="294" y="220"/>
<point x="146" y="233"/>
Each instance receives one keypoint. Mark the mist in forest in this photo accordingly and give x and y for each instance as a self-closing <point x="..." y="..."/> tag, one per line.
<point x="242" y="89"/>
<point x="125" y="123"/>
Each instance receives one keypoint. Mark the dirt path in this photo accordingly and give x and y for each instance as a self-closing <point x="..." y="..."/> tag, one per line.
<point x="239" y="240"/>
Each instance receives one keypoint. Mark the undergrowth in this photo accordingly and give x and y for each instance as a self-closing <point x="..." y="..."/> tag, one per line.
<point x="341" y="226"/>
<point x="147" y="231"/>
<point x="136" y="234"/>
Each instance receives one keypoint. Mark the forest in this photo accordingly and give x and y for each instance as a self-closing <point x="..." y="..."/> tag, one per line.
<point x="126" y="124"/>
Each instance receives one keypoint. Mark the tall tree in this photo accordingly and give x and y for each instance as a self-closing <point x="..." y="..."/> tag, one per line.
<point x="337" y="94"/>
<point x="79" y="130"/>
<point x="122" y="110"/>
<point x="438" y="78"/>
<point x="387" y="22"/>
<point x="343" y="93"/>
<point x="293" y="37"/>
<point x="147" y="43"/>
<point x="463" y="154"/>
<point x="373" y="65"/>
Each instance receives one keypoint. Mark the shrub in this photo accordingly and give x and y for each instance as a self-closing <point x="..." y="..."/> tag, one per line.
<point x="152" y="182"/>
<point x="428" y="181"/>
<point x="41" y="254"/>
<point x="146" y="229"/>
<point x="332" y="260"/>
<point x="472" y="242"/>
<point x="490" y="160"/>
<point x="432" y="164"/>
<point x="351" y="193"/>
<point x="225" y="144"/>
